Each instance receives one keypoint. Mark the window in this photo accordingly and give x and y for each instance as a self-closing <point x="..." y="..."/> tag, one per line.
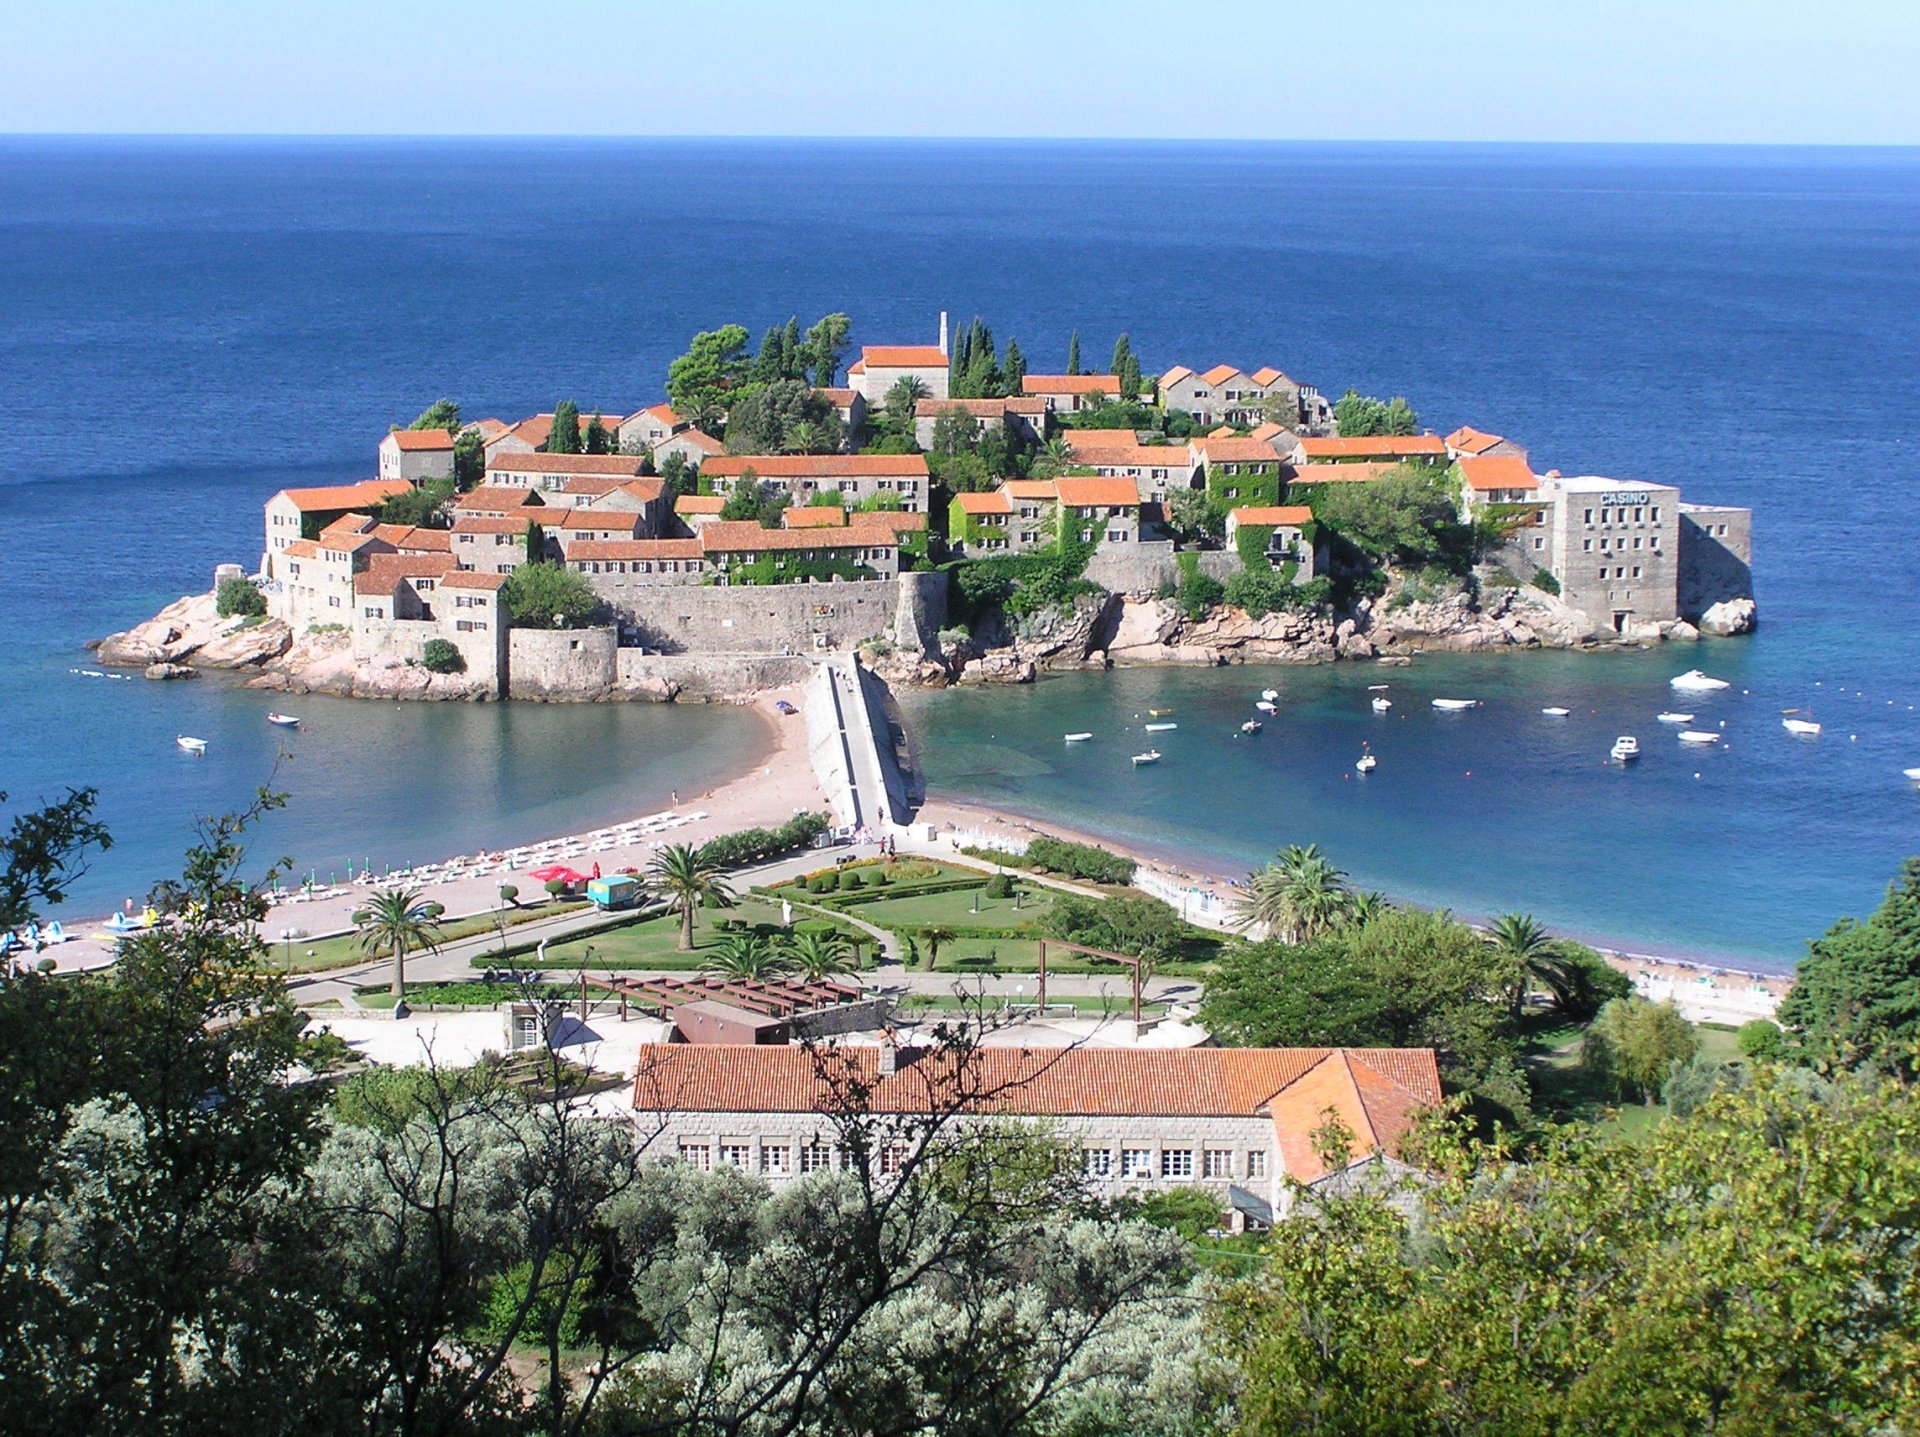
<point x="1587" y="545"/>
<point x="776" y="1159"/>
<point x="1256" y="1163"/>
<point x="1136" y="1162"/>
<point x="1218" y="1163"/>
<point x="1589" y="518"/>
<point x="1638" y="516"/>
<point x="1097" y="1163"/>
<point x="1636" y="542"/>
<point x="893" y="1157"/>
<point x="698" y="1155"/>
<point x="1538" y="542"/>
<point x="1636" y="571"/>
<point x="739" y="1154"/>
<point x="1656" y="516"/>
<point x="1176" y="1162"/>
<point x="816" y="1158"/>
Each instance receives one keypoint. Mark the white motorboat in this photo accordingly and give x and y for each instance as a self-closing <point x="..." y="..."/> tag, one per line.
<point x="1674" y="718"/>
<point x="1078" y="737"/>
<point x="194" y="746"/>
<point x="1250" y="726"/>
<point x="1556" y="712"/>
<point x="1454" y="705"/>
<point x="1376" y="688"/>
<point x="1161" y="727"/>
<point x="1381" y="704"/>
<point x="1698" y="736"/>
<point x="1266" y="708"/>
<point x="1366" y="763"/>
<point x="1695" y="682"/>
<point x="1269" y="694"/>
<point x="1625" y="749"/>
<point x="1152" y="755"/>
<point x="1912" y="773"/>
<point x="284" y="720"/>
<point x="1805" y="727"/>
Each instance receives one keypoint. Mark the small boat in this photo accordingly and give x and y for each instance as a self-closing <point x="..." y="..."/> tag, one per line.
<point x="1266" y="708"/>
<point x="1161" y="727"/>
<point x="1454" y="705"/>
<point x="1376" y="688"/>
<point x="1674" y="718"/>
<point x="1250" y="726"/>
<point x="1366" y="763"/>
<point x="1152" y="755"/>
<point x="1693" y="681"/>
<point x="194" y="746"/>
<point x="284" y="720"/>
<point x="1699" y="736"/>
<point x="1806" y="727"/>
<point x="1159" y="713"/>
<point x="1912" y="773"/>
<point x="1381" y="704"/>
<point x="1078" y="737"/>
<point x="1555" y="712"/>
<point x="1625" y="749"/>
<point x="1269" y="694"/>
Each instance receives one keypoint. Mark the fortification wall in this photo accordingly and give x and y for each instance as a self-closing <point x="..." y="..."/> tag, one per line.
<point x="920" y="612"/>
<point x="695" y="678"/>
<point x="772" y="619"/>
<point x="1714" y="565"/>
<point x="562" y="663"/>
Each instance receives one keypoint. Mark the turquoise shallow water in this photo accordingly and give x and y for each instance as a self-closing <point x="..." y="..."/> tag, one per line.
<point x="1735" y="854"/>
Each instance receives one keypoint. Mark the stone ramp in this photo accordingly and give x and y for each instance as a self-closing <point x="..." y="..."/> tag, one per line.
<point x="851" y="744"/>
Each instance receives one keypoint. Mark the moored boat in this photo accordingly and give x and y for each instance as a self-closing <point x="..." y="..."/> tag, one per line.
<point x="1807" y="728"/>
<point x="1266" y="708"/>
<point x="195" y="746"/>
<point x="1693" y="681"/>
<point x="1250" y="726"/>
<point x="1269" y="694"/>
<point x="1381" y="703"/>
<point x="1366" y="763"/>
<point x="1455" y="705"/>
<point x="284" y="720"/>
<point x="1674" y="718"/>
<point x="1161" y="727"/>
<point x="1626" y="748"/>
<point x="1555" y="712"/>
<point x="1698" y="736"/>
<point x="1912" y="773"/>
<point x="1078" y="737"/>
<point x="1152" y="755"/>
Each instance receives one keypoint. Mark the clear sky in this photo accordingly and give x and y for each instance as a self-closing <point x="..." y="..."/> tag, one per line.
<point x="1743" y="71"/>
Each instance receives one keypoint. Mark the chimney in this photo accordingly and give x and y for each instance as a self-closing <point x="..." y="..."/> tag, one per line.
<point x="943" y="332"/>
<point x="889" y="1055"/>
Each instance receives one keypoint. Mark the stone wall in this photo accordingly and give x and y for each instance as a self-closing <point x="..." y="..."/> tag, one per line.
<point x="1714" y="566"/>
<point x="693" y="678"/>
<point x="920" y="612"/>
<point x="561" y="663"/>
<point x="772" y="619"/>
<point x="1142" y="568"/>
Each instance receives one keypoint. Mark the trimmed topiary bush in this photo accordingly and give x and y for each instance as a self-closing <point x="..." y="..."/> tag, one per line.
<point x="1000" y="886"/>
<point x="850" y="881"/>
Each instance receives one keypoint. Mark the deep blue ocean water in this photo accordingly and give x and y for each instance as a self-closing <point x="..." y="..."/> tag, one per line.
<point x="186" y="326"/>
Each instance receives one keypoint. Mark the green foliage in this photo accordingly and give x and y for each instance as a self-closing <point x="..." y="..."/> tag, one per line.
<point x="825" y="342"/>
<point x="851" y="881"/>
<point x="556" y="887"/>
<point x="1405" y="516"/>
<point x="701" y="381"/>
<point x="1360" y="416"/>
<point x="535" y="542"/>
<point x="236" y="596"/>
<point x="1130" y="924"/>
<point x="1073" y="352"/>
<point x="1544" y="581"/>
<point x="1856" y="995"/>
<point x="549" y="596"/>
<point x="1262" y="591"/>
<point x="1070" y="860"/>
<point x="689" y="878"/>
<point x="510" y="895"/>
<point x="45" y="850"/>
<point x="827" y="882"/>
<point x="1198" y="593"/>
<point x="423" y="506"/>
<point x="1022" y="584"/>
<point x="441" y="414"/>
<point x="596" y="438"/>
<point x="440" y="656"/>
<point x="1250" y="543"/>
<point x="1633" y="1044"/>
<point x="469" y="459"/>
<point x="1191" y="1212"/>
<point x="999" y="886"/>
<point x="1194" y="517"/>
<point x="1114" y="414"/>
<point x="754" y="845"/>
<point x="770" y="417"/>
<point x="1692" y="1083"/>
<point x="1762" y="1040"/>
<point x="756" y="499"/>
<point x="1250" y="485"/>
<point x="397" y="921"/>
<point x="564" y="437"/>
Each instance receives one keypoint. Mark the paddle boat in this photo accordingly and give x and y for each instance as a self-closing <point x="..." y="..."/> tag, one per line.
<point x="1556" y="712"/>
<point x="195" y="746"/>
<point x="1152" y="755"/>
<point x="1366" y="763"/>
<point x="1078" y="737"/>
<point x="1455" y="705"/>
<point x="1161" y="727"/>
<point x="1269" y="694"/>
<point x="1693" y="681"/>
<point x="1806" y="728"/>
<point x="1381" y="703"/>
<point x="1251" y="726"/>
<point x="1674" y="718"/>
<point x="1698" y="736"/>
<point x="1266" y="707"/>
<point x="1625" y="749"/>
<point x="284" y="720"/>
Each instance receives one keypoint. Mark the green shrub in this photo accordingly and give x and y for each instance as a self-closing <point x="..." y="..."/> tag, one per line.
<point x="851" y="881"/>
<point x="823" y="883"/>
<point x="1000" y="886"/>
<point x="1762" y="1040"/>
<point x="1545" y="582"/>
<point x="751" y="845"/>
<point x="878" y="877"/>
<point x="556" y="886"/>
<point x="237" y="597"/>
<point x="439" y="656"/>
<point x="510" y="895"/>
<point x="1075" y="860"/>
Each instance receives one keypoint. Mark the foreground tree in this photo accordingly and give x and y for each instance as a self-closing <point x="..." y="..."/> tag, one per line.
<point x="1856" y="995"/>
<point x="1296" y="898"/>
<point x="549" y="596"/>
<point x="396" y="922"/>
<point x="820" y="954"/>
<point x="1635" y="1044"/>
<point x="689" y="879"/>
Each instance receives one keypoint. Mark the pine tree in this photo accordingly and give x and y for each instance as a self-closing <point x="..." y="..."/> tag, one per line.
<point x="1013" y="368"/>
<point x="564" y="437"/>
<point x="1122" y="349"/>
<point x="1073" y="353"/>
<point x="597" y="440"/>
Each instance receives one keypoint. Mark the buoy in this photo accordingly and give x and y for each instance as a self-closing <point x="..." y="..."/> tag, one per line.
<point x="1853" y="738"/>
<point x="1696" y="775"/>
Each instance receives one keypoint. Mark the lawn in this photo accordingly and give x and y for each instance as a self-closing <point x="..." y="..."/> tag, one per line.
<point x="1567" y="1092"/>
<point x="956" y="910"/>
<point x="655" y="943"/>
<point x="318" y="956"/>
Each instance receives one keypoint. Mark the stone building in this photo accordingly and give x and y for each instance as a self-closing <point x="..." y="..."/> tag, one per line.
<point x="1287" y="543"/>
<point x="881" y="366"/>
<point x="1237" y="1123"/>
<point x="1100" y="510"/>
<point x="555" y="471"/>
<point x="1613" y="545"/>
<point x="1024" y="417"/>
<point x="1156" y="470"/>
<point x="1067" y="393"/>
<point x="854" y="477"/>
<point x="1226" y="395"/>
<point x="295" y="514"/>
<point x="416" y="455"/>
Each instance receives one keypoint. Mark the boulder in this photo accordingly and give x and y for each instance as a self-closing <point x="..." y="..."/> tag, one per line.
<point x="1729" y="617"/>
<point x="245" y="647"/>
<point x="171" y="671"/>
<point x="1002" y="666"/>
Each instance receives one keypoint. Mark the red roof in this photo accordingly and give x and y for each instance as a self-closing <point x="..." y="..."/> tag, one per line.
<point x="897" y="521"/>
<point x="411" y="539"/>
<point x="469" y="579"/>
<point x="839" y="398"/>
<point x="1114" y="493"/>
<point x="694" y="439"/>
<point x="344" y="496"/>
<point x="993" y="502"/>
<point x="1071" y="384"/>
<point x="1101" y="438"/>
<point x="1271" y="514"/>
<point x="1497" y="471"/>
<point x="699" y="504"/>
<point x="744" y="536"/>
<point x="615" y="466"/>
<point x="1136" y="456"/>
<point x="391" y="567"/>
<point x="496" y="524"/>
<point x="1342" y="473"/>
<point x="497" y="499"/>
<point x="594" y="517"/>
<point x="1219" y="374"/>
<point x="634" y="549"/>
<point x="818" y="466"/>
<point x="1237" y="450"/>
<point x="1174" y="375"/>
<point x="1267" y="376"/>
<point x="421" y="439"/>
<point x="1373" y="446"/>
<point x="1473" y="441"/>
<point x="903" y="356"/>
<point x="826" y="516"/>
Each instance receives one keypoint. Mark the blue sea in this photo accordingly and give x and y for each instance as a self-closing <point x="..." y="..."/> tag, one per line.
<point x="187" y="325"/>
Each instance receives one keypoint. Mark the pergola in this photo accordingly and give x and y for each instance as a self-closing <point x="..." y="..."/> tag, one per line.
<point x="769" y="997"/>
<point x="1137" y="964"/>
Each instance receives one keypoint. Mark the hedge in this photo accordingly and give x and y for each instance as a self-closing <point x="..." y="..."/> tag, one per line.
<point x="752" y="845"/>
<point x="1074" y="860"/>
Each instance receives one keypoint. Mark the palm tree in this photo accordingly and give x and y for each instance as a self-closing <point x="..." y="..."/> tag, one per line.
<point x="820" y="954"/>
<point x="684" y="874"/>
<point x="933" y="935"/>
<point x="804" y="438"/>
<point x="1530" y="952"/>
<point x="745" y="955"/>
<point x="1363" y="908"/>
<point x="1263" y="904"/>
<point x="1054" y="457"/>
<point x="396" y="921"/>
<point x="1295" y="898"/>
<point x="907" y="391"/>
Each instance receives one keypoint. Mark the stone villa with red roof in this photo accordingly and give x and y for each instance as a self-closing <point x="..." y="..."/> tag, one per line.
<point x="881" y="366"/>
<point x="416" y="455"/>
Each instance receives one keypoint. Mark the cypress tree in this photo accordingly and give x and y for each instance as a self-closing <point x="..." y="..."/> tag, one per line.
<point x="793" y="360"/>
<point x="1130" y="377"/>
<point x="536" y="542"/>
<point x="957" y="367"/>
<point x="596" y="439"/>
<point x="1013" y="368"/>
<point x="564" y="437"/>
<point x="1073" y="353"/>
<point x="1122" y="348"/>
<point x="983" y="366"/>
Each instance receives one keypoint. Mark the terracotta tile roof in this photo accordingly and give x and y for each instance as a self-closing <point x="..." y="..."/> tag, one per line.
<point x="695" y="439"/>
<point x="1268" y="432"/>
<point x="1029" y="488"/>
<point x="1341" y="473"/>
<point x="1137" y="456"/>
<point x="1113" y="493"/>
<point x="469" y="579"/>
<point x="411" y="539"/>
<point x="618" y="466"/>
<point x="1473" y="441"/>
<point x="1225" y="431"/>
<point x="993" y="502"/>
<point x="1382" y="1086"/>
<point x="497" y="499"/>
<point x="665" y="413"/>
<point x="416" y="440"/>
<point x="903" y="356"/>
<point x="1175" y="375"/>
<point x="744" y="536"/>
<point x="646" y="488"/>
<point x="1071" y="384"/>
<point x="634" y="549"/>
<point x="818" y="466"/>
<point x="412" y="566"/>
<point x="1373" y="446"/>
<point x="699" y="504"/>
<point x="590" y="516"/>
<point x="980" y="408"/>
<point x="350" y="524"/>
<point x="498" y="524"/>
<point x="857" y="367"/>
<point x="344" y="496"/>
<point x="533" y="430"/>
<point x="1220" y="374"/>
<point x="302" y="549"/>
<point x="839" y="398"/>
<point x="1497" y="471"/>
<point x="489" y="429"/>
<point x="591" y="485"/>
<point x="896" y="521"/>
<point x="1236" y="449"/>
<point x="368" y="583"/>
<point x="1267" y="376"/>
<point x="1271" y="514"/>
<point x="353" y="543"/>
<point x="824" y="517"/>
<point x="1374" y="1094"/>
<point x="1101" y="438"/>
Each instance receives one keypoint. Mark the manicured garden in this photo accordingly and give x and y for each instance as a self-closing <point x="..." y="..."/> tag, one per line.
<point x="344" y="951"/>
<point x="654" y="943"/>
